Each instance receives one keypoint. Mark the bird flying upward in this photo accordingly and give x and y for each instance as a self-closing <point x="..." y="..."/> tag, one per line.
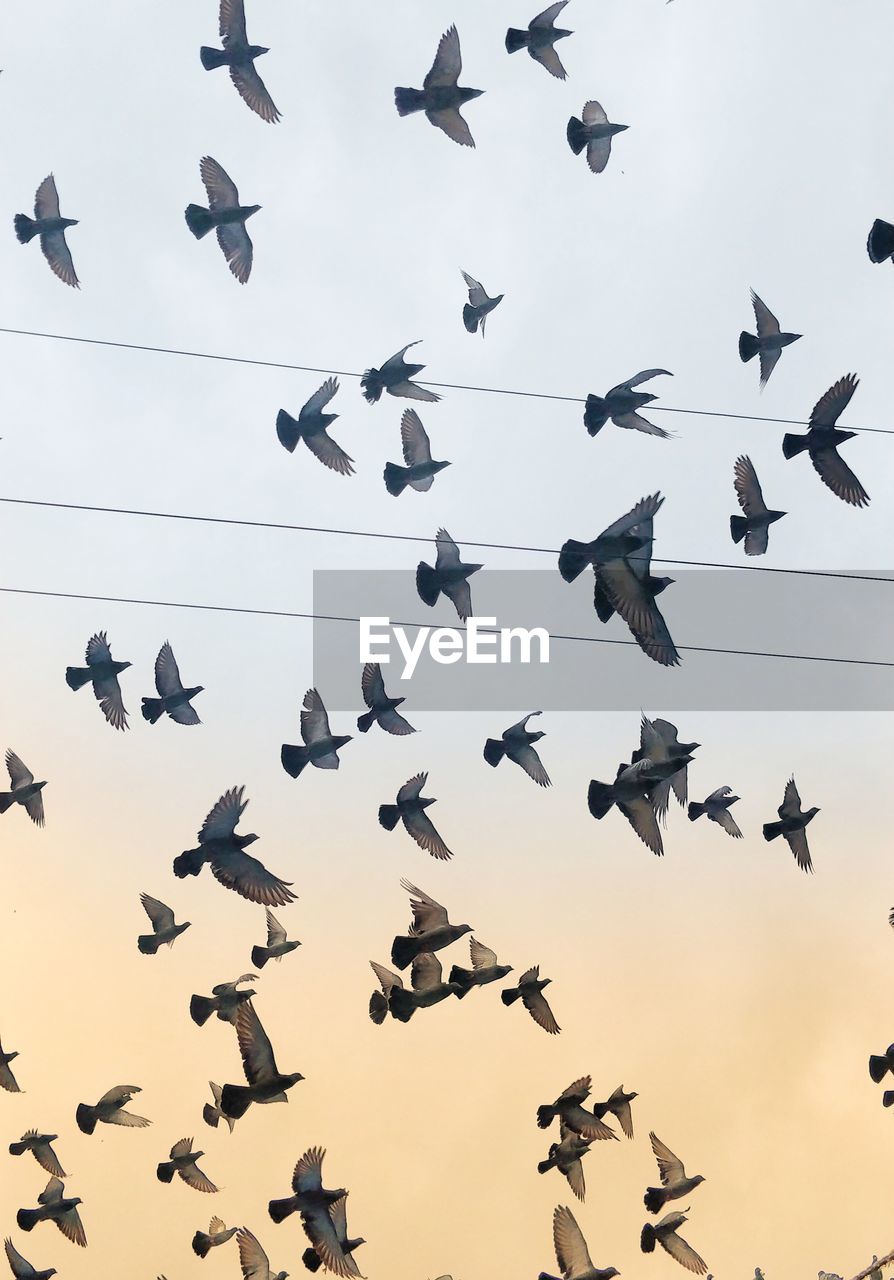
<point x="539" y="39"/>
<point x="227" y="215"/>
<point x="102" y="672"/>
<point x="594" y="131"/>
<point x="239" y="56"/>
<point x="311" y="427"/>
<point x="792" y="824"/>
<point x="266" y="1083"/>
<point x="25" y="791"/>
<point x="754" y="525"/>
<point x="172" y="698"/>
<point x="410" y="809"/>
<point x="321" y="747"/>
<point x="277" y="946"/>
<point x="441" y="96"/>
<point x="382" y="709"/>
<point x="768" y="342"/>
<point x="395" y="377"/>
<point x="421" y="468"/>
<point x="449" y="576"/>
<point x="822" y="440"/>
<point x="572" y="1253"/>
<point x="231" y="866"/>
<point x="50" y="226"/>
<point x="479" y="306"/>
<point x="675" y="1182"/>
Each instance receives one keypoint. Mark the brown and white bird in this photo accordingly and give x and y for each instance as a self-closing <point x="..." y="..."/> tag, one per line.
<point x="217" y="1234"/>
<point x="7" y="1079"/>
<point x="574" y="1115"/>
<point x="50" y="226"/>
<point x="164" y="928"/>
<point x="226" y="215"/>
<point x="768" y="342"/>
<point x="530" y="991"/>
<point x="266" y="1083"/>
<point x="55" y="1206"/>
<point x="717" y="807"/>
<point x="665" y="1233"/>
<point x="431" y="929"/>
<point x="566" y="1155"/>
<point x="409" y="809"/>
<point x="792" y="823"/>
<point x="239" y="56"/>
<point x="822" y="440"/>
<point x="41" y="1147"/>
<point x="253" y="1260"/>
<point x="675" y="1182"/>
<point x="110" y="1110"/>
<point x="25" y="791"/>
<point x="183" y="1161"/>
<point x="572" y="1253"/>
<point x="21" y="1268"/>
<point x="754" y="525"/>
<point x="102" y="671"/>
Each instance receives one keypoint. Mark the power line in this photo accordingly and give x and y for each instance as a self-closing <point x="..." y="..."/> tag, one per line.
<point x="445" y="386"/>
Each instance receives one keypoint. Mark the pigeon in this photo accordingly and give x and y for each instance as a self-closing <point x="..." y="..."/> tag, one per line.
<point x="307" y="1184"/>
<point x="224" y="1000"/>
<point x="40" y="1146"/>
<point x="426" y="979"/>
<point x="769" y="340"/>
<point x="164" y="930"/>
<point x="572" y="1254"/>
<point x="253" y="1260"/>
<point x="530" y="991"/>
<point x="717" y="807"/>
<point x="25" y="791"/>
<point x="395" y="377"/>
<point x="516" y="744"/>
<point x="55" y="1206"/>
<point x="441" y="96"/>
<point x="626" y="586"/>
<point x="322" y="1230"/>
<point x="879" y="1066"/>
<point x="485" y="969"/>
<point x="7" y="1079"/>
<point x="621" y="405"/>
<point x="277" y="944"/>
<point x="313" y="1258"/>
<point x="410" y="809"/>
<point x="574" y="1115"/>
<point x="225" y="851"/>
<point x="320" y="748"/>
<point x="626" y="538"/>
<point x="665" y="1232"/>
<point x="102" y="672"/>
<point x="211" y="1112"/>
<point x="479" y="306"/>
<point x="674" y="1181"/>
<point x="594" y="131"/>
<point x="449" y="576"/>
<point x="793" y="821"/>
<point x="50" y="226"/>
<point x="183" y="1161"/>
<point x="540" y="38"/>
<point x="110" y="1110"/>
<point x="431" y="929"/>
<point x="266" y="1083"/>
<point x="226" y="214"/>
<point x="566" y="1156"/>
<point x="822" y="441"/>
<point x="618" y="1105"/>
<point x="632" y="792"/>
<point x="880" y="245"/>
<point x="310" y="426"/>
<point x="382" y="709"/>
<point x="421" y="468"/>
<point x="217" y="1234"/>
<point x="754" y="525"/>
<point x="239" y="56"/>
<point x="172" y="697"/>
<point x="659" y="743"/>
<point x="21" y="1268"/>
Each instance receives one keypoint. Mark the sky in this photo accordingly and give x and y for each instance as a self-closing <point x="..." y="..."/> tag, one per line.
<point x="739" y="997"/>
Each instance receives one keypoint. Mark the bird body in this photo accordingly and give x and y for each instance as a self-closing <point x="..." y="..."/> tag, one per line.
<point x="449" y="576"/>
<point x="659" y="743"/>
<point x="768" y="342"/>
<point x="239" y="55"/>
<point x="307" y="1186"/>
<point x="173" y="699"/>
<point x="278" y="944"/>
<point x="594" y="131"/>
<point x="574" y="1115"/>
<point x="822" y="440"/>
<point x="753" y="526"/>
<point x="165" y="930"/>
<point x="382" y="709"/>
<point x="485" y="969"/>
<point x="266" y="1083"/>
<point x="421" y="468"/>
<point x="322" y="1252"/>
<point x="566" y="1156"/>
<point x="530" y="991"/>
<point x="717" y="807"/>
<point x="321" y="747"/>
<point x="409" y="809"/>
<point x="25" y="791"/>
<point x="431" y="929"/>
<point x="50" y="226"/>
<point x="792" y="823"/>
<point x="516" y="744"/>
<point x="441" y="95"/>
<point x="618" y="1105"/>
<point x="633" y="792"/>
<point x="396" y="377"/>
<point x="621" y="405"/>
<point x="428" y="989"/>
<point x="7" y="1079"/>
<point x="102" y="671"/>
<point x="539" y="39"/>
<point x="224" y="1000"/>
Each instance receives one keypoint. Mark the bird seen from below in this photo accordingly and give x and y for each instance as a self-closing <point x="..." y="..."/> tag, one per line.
<point x="485" y="969"/>
<point x="449" y="576"/>
<point x="665" y="1233"/>
<point x="224" y="1000"/>
<point x="428" y="988"/>
<point x="441" y="96"/>
<point x="395" y="377"/>
<point x="421" y="468"/>
<point x="516" y="744"/>
<point x="621" y="405"/>
<point x="309" y="1194"/>
<point x="409" y="809"/>
<point x="226" y="215"/>
<point x="239" y="56"/>
<point x="479" y="306"/>
<point x="102" y="671"/>
<point x="675" y="1182"/>
<point x="25" y="791"/>
<point x="41" y="1147"/>
<point x="266" y="1083"/>
<point x="530" y="991"/>
<point x="659" y="743"/>
<point x="231" y="866"/>
<point x="382" y="709"/>
<point x="183" y="1161"/>
<point x="110" y="1110"/>
<point x="55" y="1206"/>
<point x="822" y="440"/>
<point x="572" y="1253"/>
<point x="431" y="929"/>
<point x="594" y="131"/>
<point x="50" y="226"/>
<point x="173" y="699"/>
<point x="767" y="343"/>
<point x="717" y="807"/>
<point x="311" y="427"/>
<point x="217" y="1234"/>
<point x="539" y="39"/>
<point x="792" y="823"/>
<point x="321" y="746"/>
<point x="277" y="946"/>
<point x="164" y="928"/>
<point x="754" y="525"/>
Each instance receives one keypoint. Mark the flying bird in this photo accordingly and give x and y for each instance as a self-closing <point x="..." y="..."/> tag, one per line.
<point x="421" y="468"/>
<point x="217" y="1234"/>
<point x="485" y="969"/>
<point x="659" y="743"/>
<point x="566" y="1156"/>
<point x="618" y="1105"/>
<point x="880" y="245"/>
<point x="253" y="1260"/>
<point x="441" y="96"/>
<point x="307" y="1185"/>
<point x="768" y="342"/>
<point x="102" y="672"/>
<point x="164" y="930"/>
<point x="792" y="824"/>
<point x="239" y="56"/>
<point x="321" y="747"/>
<point x="25" y="791"/>
<point x="574" y="1115"/>
<point x="266" y="1083"/>
<point x="632" y="791"/>
<point x="226" y="214"/>
<point x="717" y="807"/>
<point x="428" y="988"/>
<point x="621" y="405"/>
<point x="665" y="1233"/>
<point x="172" y="698"/>
<point x="55" y="1206"/>
<point x="395" y="377"/>
<point x="277" y="943"/>
<point x="431" y="929"/>
<point x="110" y="1110"/>
<point x="211" y="1112"/>
<point x="7" y="1079"/>
<point x="754" y="525"/>
<point x="41" y="1147"/>
<point x="516" y="744"/>
<point x="224" y="1000"/>
<point x="822" y="440"/>
<point x="21" y="1268"/>
<point x="183" y="1161"/>
<point x="879" y="1066"/>
<point x="530" y="991"/>
<point x="479" y="306"/>
<point x="449" y="576"/>
<point x="623" y="538"/>
<point x="382" y="709"/>
<point x="410" y="810"/>
<point x="310" y="426"/>
<point x="675" y="1182"/>
<point x="594" y="131"/>
<point x="539" y="39"/>
<point x="572" y="1254"/>
<point x="231" y="866"/>
<point x="50" y="226"/>
<point x="314" y="1257"/>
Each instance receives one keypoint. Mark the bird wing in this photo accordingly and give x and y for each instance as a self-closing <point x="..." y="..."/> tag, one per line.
<point x="548" y="17"/>
<point x="427" y="914"/>
<point x="339" y="1215"/>
<point x="421" y="828"/>
<point x="193" y="1177"/>
<point x="547" y="57"/>
<point x="448" y="63"/>
<point x="314" y="720"/>
<point x="670" y="1167"/>
<point x="409" y="390"/>
<point x="629" y="594"/>
<point x="641" y="816"/>
<point x="236" y="246"/>
<point x="232" y="22"/>
<point x="216" y="1227"/>
<point x="237" y="870"/>
<point x="599" y="152"/>
<point x="72" y="1228"/>
<point x="572" y="1254"/>
<point x="482" y="956"/>
<point x="393" y="722"/>
<point x="119" y="1095"/>
<point x="530" y="761"/>
<point x="320" y="1230"/>
<point x="275" y="932"/>
<point x="791" y="801"/>
<point x="58" y="255"/>
<point x="185" y="713"/>
<point x="683" y="1252"/>
<point x="7" y="1079"/>
<point x="412" y="789"/>
<point x="767" y="324"/>
<point x="252" y="1258"/>
<point x="397" y="364"/>
<point x="621" y="1109"/>
<point x="46" y="199"/>
<point x="657" y="643"/>
<point x="162" y="916"/>
<point x="167" y="673"/>
<point x="372" y="685"/>
<point x="536" y="1004"/>
<point x="52" y="1192"/>
<point x="477" y="293"/>
<point x="126" y="1120"/>
<point x="726" y="820"/>
<point x="577" y="1092"/>
<point x="107" y="692"/>
<point x="645" y="375"/>
<point x="645" y="509"/>
<point x="748" y="489"/>
<point x="797" y="842"/>
<point x="594" y="113"/>
<point x="387" y="980"/>
<point x="98" y="649"/>
<point x="768" y="362"/>
<point x="837" y="476"/>
<point x="414" y="439"/>
<point x="452" y="123"/>
<point x="253" y="91"/>
<point x="323" y="447"/>
<point x="426" y="973"/>
<point x="574" y="1172"/>
<point x="719" y="794"/>
<point x="224" y="816"/>
<point x="319" y="399"/>
<point x="47" y="1159"/>
<point x="460" y="593"/>
<point x="308" y="1174"/>
<point x="219" y="186"/>
<point x="448" y="551"/>
<point x="182" y="1147"/>
<point x="258" y="1061"/>
<point x="19" y="774"/>
<point x="21" y="1268"/>
<point x="830" y="406"/>
<point x="636" y="422"/>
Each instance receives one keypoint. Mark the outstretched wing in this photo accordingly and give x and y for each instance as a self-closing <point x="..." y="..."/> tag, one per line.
<point x="670" y="1167"/>
<point x="219" y="186"/>
<point x="224" y="817"/>
<point x="748" y="489"/>
<point x="237" y="248"/>
<point x="427" y="914"/>
<point x="314" y="720"/>
<point x="681" y="1251"/>
<point x="422" y="830"/>
<point x="162" y="916"/>
<point x="837" y="476"/>
<point x="572" y="1254"/>
<point x="414" y="439"/>
<point x="448" y="64"/>
<point x="258" y="1061"/>
<point x="167" y="673"/>
<point x="252" y="1258"/>
<point x="248" y="877"/>
<point x="830" y="406"/>
<point x="332" y="455"/>
<point x="253" y="91"/>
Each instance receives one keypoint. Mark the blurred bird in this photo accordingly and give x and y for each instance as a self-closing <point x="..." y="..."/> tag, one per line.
<point x="594" y="131"/>
<point x="40" y="1146"/>
<point x="449" y="576"/>
<point x="566" y="1156"/>
<point x="769" y="340"/>
<point x="540" y="38"/>
<point x="277" y="943"/>
<point x="231" y="866"/>
<point x="574" y="1115"/>
<point x="320" y="748"/>
<point x="172" y="697"/>
<point x="754" y="526"/>
<point x="618" y="1105"/>
<point x="313" y="1258"/>
<point x="7" y="1079"/>
<point x="307" y="1184"/>
<point x="184" y="1162"/>
<point x="410" y="809"/>
<point x="530" y="991"/>
<point x="50" y="226"/>
<point x="164" y="930"/>
<point x="253" y="1260"/>
<point x="621" y="405"/>
<point x="211" y="1112"/>
<point x="717" y="807"/>
<point x="382" y="709"/>
<point x="110" y="1110"/>
<point x="659" y="743"/>
<point x="479" y="306"/>
<point x="55" y="1206"/>
<point x="665" y="1233"/>
<point x="239" y="56"/>
<point x="310" y="426"/>
<point x="266" y="1083"/>
<point x="431" y="929"/>
<point x="428" y="988"/>
<point x="440" y="96"/>
<point x="485" y="969"/>
<point x="421" y="468"/>
<point x="25" y="791"/>
<point x="880" y="245"/>
<point x="217" y="1234"/>
<point x="102" y="672"/>
<point x="395" y="377"/>
<point x="879" y="1065"/>
<point x="675" y="1183"/>
<point x="516" y="745"/>
<point x="792" y="822"/>
<point x="226" y="214"/>
<point x="877" y="1273"/>
<point x="21" y="1268"/>
<point x="822" y="441"/>
<point x="572" y="1254"/>
<point x="224" y="1000"/>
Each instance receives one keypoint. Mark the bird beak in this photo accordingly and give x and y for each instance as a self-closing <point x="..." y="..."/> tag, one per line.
<point x="477" y="93"/>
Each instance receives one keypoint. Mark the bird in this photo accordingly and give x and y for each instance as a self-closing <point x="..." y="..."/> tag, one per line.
<point x="231" y="866"/>
<point x="55" y="1206"/>
<point x="621" y="405"/>
<point x="880" y="245"/>
<point x="395" y="377"/>
<point x="313" y="1258"/>
<point x="479" y="306"/>
<point x="25" y="791"/>
<point x="110" y="1110"/>
<point x="675" y="1183"/>
<point x="822" y="440"/>
<point x="183" y="1161"/>
<point x="226" y="214"/>
<point x="618" y="1105"/>
<point x="382" y="709"/>
<point x="566" y="1156"/>
<point x="660" y="744"/>
<point x="322" y="1230"/>
<point x="879" y="1066"/>
<point x="266" y="1083"/>
<point x="530" y="991"/>
<point x="164" y="930"/>
<point x="50" y="226"/>
<point x="717" y="807"/>
<point x="239" y="56"/>
<point x="539" y="39"/>
<point x="217" y="1234"/>
<point x="428" y="988"/>
<point x="211" y="1112"/>
<point x="665" y="1233"/>
<point x="441" y="96"/>
<point x="41" y="1147"/>
<point x="485" y="969"/>
<point x="768" y="342"/>
<point x="421" y="468"/>
<point x="574" y="1115"/>
<point x="792" y="824"/>
<point x="625" y="537"/>
<point x="410" y="809"/>
<point x="172" y="698"/>
<point x="594" y="131"/>
<point x="632" y="792"/>
<point x="224" y="1000"/>
<point x="516" y="745"/>
<point x="307" y="1185"/>
<point x="102" y="672"/>
<point x="572" y="1254"/>
<point x="253" y="1260"/>
<point x="449" y="576"/>
<point x="321" y="747"/>
<point x="277" y="943"/>
<point x="431" y="929"/>
<point x="754" y="525"/>
<point x="21" y="1268"/>
<point x="7" y="1079"/>
<point x="876" y="1274"/>
<point x="310" y="426"/>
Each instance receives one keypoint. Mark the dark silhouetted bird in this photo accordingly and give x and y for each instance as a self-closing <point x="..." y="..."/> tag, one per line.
<point x="625" y="538"/>
<point x="879" y="1066"/>
<point x="266" y="1083"/>
<point x="428" y="988"/>
<point x="754" y="526"/>
<point x="164" y="930"/>
<point x="717" y="807"/>
<point x="239" y="56"/>
<point x="410" y="809"/>
<point x="307" y="1184"/>
<point x="621" y="405"/>
<point x="217" y="1234"/>
<point x="382" y="709"/>
<point x="313" y="1258"/>
<point x="665" y="1233"/>
<point x="25" y="791"/>
<point x="184" y="1161"/>
<point x="102" y="672"/>
<point x="431" y="929"/>
<point x="823" y="439"/>
<point x="421" y="468"/>
<point x="660" y="744"/>
<point x="231" y="866"/>
<point x="440" y="96"/>
<point x="530" y="991"/>
<point x="539" y="39"/>
<point x="224" y="1000"/>
<point x="566" y="1156"/>
<point x="211" y="1112"/>
<point x="395" y="377"/>
<point x="675" y="1183"/>
<point x="516" y="744"/>
<point x="626" y="587"/>
<point x="21" y="1268"/>
<point x="574" y="1115"/>
<point x="479" y="306"/>
<point x="110" y="1110"/>
<point x="769" y="340"/>
<point x="40" y="1146"/>
<point x="321" y="747"/>
<point x="55" y="1206"/>
<point x="618" y="1105"/>
<point x="572" y="1254"/>
<point x="880" y="245"/>
<point x="277" y="943"/>
<point x="310" y="426"/>
<point x="485" y="968"/>
<point x="793" y="821"/>
<point x="594" y="131"/>
<point x="253" y="1260"/>
<point x="632" y="792"/>
<point x="227" y="215"/>
<point x="449" y="576"/>
<point x="50" y="226"/>
<point x="172" y="697"/>
<point x="7" y="1079"/>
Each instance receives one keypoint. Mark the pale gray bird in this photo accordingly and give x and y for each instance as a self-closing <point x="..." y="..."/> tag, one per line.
<point x="50" y="226"/>
<point x="431" y="929"/>
<point x="211" y="1112"/>
<point x="659" y="744"/>
<point x="769" y="341"/>
<point x="278" y="944"/>
<point x="321" y="746"/>
<point x="382" y="709"/>
<point x="173" y="698"/>
<point x="485" y="969"/>
<point x="183" y="1161"/>
<point x="313" y="1258"/>
<point x="574" y="1115"/>
<point x="754" y="525"/>
<point x="239" y="56"/>
<point x="822" y="440"/>
<point x="421" y="468"/>
<point x="675" y="1182"/>
<point x="266" y="1083"/>
<point x="618" y="1105"/>
<point x="566" y="1156"/>
<point x="530" y="991"/>
<point x="479" y="306"/>
<point x="102" y="672"/>
<point x="7" y="1079"/>
<point x="572" y="1254"/>
<point x="665" y="1233"/>
<point x="395" y="377"/>
<point x="217" y="1234"/>
<point x="227" y="215"/>
<point x="25" y="791"/>
<point x="253" y="1260"/>
<point x="428" y="989"/>
<point x="110" y="1110"/>
<point x="539" y="39"/>
<point x="55" y="1206"/>
<point x="307" y="1186"/>
<point x="224" y="1000"/>
<point x="311" y="427"/>
<point x="594" y="131"/>
<point x="231" y="866"/>
<point x="449" y="576"/>
<point x="441" y="96"/>
<point x="717" y="807"/>
<point x="621" y="405"/>
<point x="410" y="809"/>
<point x="793" y="820"/>
<point x="516" y="744"/>
<point x="21" y="1268"/>
<point x="164" y="928"/>
<point x="40" y="1146"/>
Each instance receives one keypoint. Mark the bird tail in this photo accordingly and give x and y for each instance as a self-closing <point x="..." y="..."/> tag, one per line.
<point x="201" y="1009"/>
<point x="259" y="956"/>
<point x="695" y="810"/>
<point x="573" y="559"/>
<point x="544" y="1166"/>
<point x="772" y="830"/>
<point x="401" y="1004"/>
<point x="470" y="318"/>
<point x="389" y="815"/>
<point x="647" y="1239"/>
<point x="510" y="997"/>
<point x="515" y="40"/>
<point x="26" y="228"/>
<point x="293" y="759"/>
<point x="395" y="479"/>
<point x="878" y="1068"/>
<point x="748" y="347"/>
<point x="427" y="583"/>
<point x="279" y="1210"/>
<point x="577" y="136"/>
<point x="201" y="1244"/>
<point x="888" y="1098"/>
<point x="188" y="863"/>
<point x="77" y="677"/>
<point x="153" y="709"/>
<point x="366" y="721"/>
<point x="211" y="1115"/>
<point x="595" y="414"/>
<point x="600" y="798"/>
<point x="403" y="951"/>
<point x="792" y="444"/>
<point x="463" y="979"/>
<point x="408" y="100"/>
<point x="288" y="430"/>
<point x="212" y="58"/>
<point x="235" y="1099"/>
<point x="494" y="751"/>
<point x="86" y="1118"/>
<point x="198" y="220"/>
<point x="371" y="385"/>
<point x="545" y="1116"/>
<point x="880" y="244"/>
<point x="19" y="1148"/>
<point x="165" y="1171"/>
<point x="378" y="1008"/>
<point x="311" y="1259"/>
<point x="6" y="799"/>
<point x="654" y="1200"/>
<point x="27" y="1219"/>
<point x="738" y="527"/>
<point x="148" y="944"/>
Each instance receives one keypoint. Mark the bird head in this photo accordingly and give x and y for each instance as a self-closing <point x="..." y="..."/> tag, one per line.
<point x="688" y="747"/>
<point x="469" y="94"/>
<point x="631" y="1096"/>
<point x="777" y="515"/>
<point x="252" y="208"/>
<point x="620" y="128"/>
<point x="40" y="786"/>
<point x="250" y="838"/>
<point x="465" y="928"/>
<point x="73" y="222"/>
<point x="423" y="804"/>
<point x="398" y="701"/>
<point x="472" y="568"/>
<point x="124" y="665"/>
<point x="326" y="418"/>
<point x="611" y="1271"/>
<point x="50" y="1137"/>
<point x="75" y="1200"/>
<point x="698" y="1180"/>
<point x="197" y="1155"/>
<point x="256" y="50"/>
<point x="535" y="737"/>
<point x="544" y="982"/>
<point x="200" y="688"/>
<point x="439" y="466"/>
<point x="811" y="813"/>
<point x="657" y="585"/>
<point x="294" y="1077"/>
<point x="841" y="436"/>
